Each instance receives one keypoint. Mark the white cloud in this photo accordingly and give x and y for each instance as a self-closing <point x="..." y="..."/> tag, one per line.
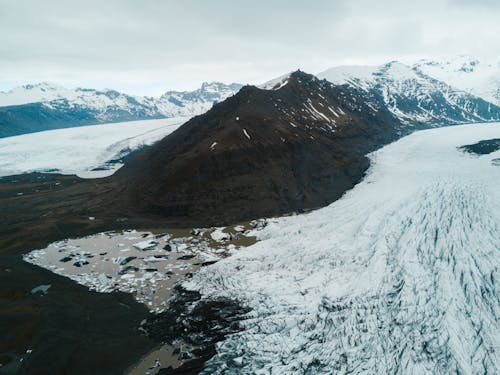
<point x="151" y="45"/>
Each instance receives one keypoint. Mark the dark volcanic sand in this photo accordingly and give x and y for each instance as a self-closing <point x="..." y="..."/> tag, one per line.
<point x="69" y="330"/>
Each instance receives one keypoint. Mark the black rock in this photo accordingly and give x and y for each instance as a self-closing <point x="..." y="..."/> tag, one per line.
<point x="186" y="257"/>
<point x="127" y="269"/>
<point x="204" y="264"/>
<point x="160" y="256"/>
<point x="482" y="147"/>
<point x="80" y="263"/>
<point x="198" y="322"/>
<point x="126" y="260"/>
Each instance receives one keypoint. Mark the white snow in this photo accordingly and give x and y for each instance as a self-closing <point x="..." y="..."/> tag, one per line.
<point x="358" y="74"/>
<point x="414" y="95"/>
<point x="219" y="235"/>
<point x="398" y="276"/>
<point x="79" y="150"/>
<point x="276" y="83"/>
<point x="246" y="133"/>
<point x="146" y="245"/>
<point x="40" y="92"/>
<point x="478" y="76"/>
<point x="171" y="104"/>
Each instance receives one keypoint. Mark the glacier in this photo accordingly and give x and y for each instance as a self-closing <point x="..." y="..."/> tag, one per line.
<point x="88" y="151"/>
<point x="397" y="276"/>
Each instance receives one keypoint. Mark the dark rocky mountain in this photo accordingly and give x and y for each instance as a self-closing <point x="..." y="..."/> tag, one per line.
<point x="260" y="153"/>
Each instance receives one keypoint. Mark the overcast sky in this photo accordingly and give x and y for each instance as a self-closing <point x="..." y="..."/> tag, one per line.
<point x="149" y="46"/>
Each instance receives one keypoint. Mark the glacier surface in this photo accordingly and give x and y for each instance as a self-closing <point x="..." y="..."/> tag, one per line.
<point x="398" y="276"/>
<point x="87" y="151"/>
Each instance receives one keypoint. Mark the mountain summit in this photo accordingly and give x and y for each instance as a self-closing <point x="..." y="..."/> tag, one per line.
<point x="261" y="153"/>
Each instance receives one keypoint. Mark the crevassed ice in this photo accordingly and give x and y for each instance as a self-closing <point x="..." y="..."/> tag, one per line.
<point x="398" y="276"/>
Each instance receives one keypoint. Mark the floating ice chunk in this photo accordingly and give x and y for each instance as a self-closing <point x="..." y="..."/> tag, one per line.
<point x="41" y="289"/>
<point x="146" y="245"/>
<point x="239" y="228"/>
<point x="219" y="236"/>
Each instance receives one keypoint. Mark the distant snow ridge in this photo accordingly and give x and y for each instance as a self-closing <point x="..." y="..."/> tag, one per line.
<point x="399" y="276"/>
<point x="276" y="83"/>
<point x="190" y="103"/>
<point x="44" y="106"/>
<point x="170" y="104"/>
<point x="480" y="77"/>
<point x="414" y="97"/>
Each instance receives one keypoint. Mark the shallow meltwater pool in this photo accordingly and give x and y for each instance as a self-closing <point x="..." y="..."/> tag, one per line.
<point x="146" y="264"/>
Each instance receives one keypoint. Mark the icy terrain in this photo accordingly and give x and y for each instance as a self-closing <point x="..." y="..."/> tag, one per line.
<point x="87" y="151"/>
<point x="480" y="77"/>
<point x="398" y="276"/>
<point x="142" y="263"/>
<point x="170" y="104"/>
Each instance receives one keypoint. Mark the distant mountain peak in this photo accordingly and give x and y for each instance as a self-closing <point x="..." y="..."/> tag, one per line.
<point x="415" y="95"/>
<point x="478" y="76"/>
<point x="41" y="85"/>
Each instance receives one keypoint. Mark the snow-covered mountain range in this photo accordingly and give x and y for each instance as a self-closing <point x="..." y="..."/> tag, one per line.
<point x="45" y="106"/>
<point x="417" y="95"/>
<point x="425" y="93"/>
<point x="477" y="76"/>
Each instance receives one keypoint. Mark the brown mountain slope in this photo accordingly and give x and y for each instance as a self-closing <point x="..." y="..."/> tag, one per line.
<point x="260" y="153"/>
